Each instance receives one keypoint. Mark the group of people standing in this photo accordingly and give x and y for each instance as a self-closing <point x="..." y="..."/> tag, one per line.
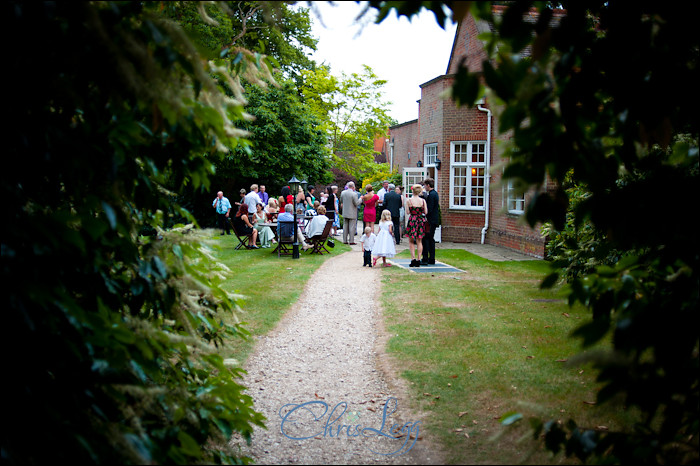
<point x="420" y="214"/>
<point x="256" y="208"/>
<point x="422" y="211"/>
<point x="423" y="218"/>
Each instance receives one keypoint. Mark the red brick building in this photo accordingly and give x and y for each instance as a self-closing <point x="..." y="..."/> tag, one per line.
<point x="456" y="146"/>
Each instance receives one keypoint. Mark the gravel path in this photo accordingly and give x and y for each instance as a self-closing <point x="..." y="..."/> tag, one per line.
<point x="321" y="376"/>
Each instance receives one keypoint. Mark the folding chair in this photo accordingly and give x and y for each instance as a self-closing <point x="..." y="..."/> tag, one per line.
<point x="318" y="242"/>
<point x="242" y="239"/>
<point x="285" y="243"/>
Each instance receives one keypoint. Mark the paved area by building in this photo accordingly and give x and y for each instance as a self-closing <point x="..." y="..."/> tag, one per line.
<point x="487" y="251"/>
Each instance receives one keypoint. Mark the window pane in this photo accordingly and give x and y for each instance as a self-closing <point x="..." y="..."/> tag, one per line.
<point x="516" y="202"/>
<point x="461" y="152"/>
<point x="430" y="152"/>
<point x="468" y="179"/>
<point x="478" y="153"/>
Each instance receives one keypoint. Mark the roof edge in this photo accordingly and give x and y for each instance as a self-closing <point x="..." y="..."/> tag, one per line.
<point x="404" y="124"/>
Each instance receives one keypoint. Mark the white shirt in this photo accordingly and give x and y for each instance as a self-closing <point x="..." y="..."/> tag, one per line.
<point x="316" y="225"/>
<point x="368" y="241"/>
<point x="252" y="200"/>
<point x="381" y="194"/>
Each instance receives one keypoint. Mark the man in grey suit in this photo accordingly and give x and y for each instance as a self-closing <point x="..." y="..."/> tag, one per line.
<point x="392" y="203"/>
<point x="348" y="206"/>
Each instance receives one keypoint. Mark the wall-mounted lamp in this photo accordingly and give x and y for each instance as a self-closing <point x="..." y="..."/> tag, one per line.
<point x="438" y="163"/>
<point x="419" y="164"/>
<point x="409" y="156"/>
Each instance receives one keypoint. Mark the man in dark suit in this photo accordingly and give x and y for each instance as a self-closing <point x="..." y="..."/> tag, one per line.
<point x="433" y="201"/>
<point x="392" y="203"/>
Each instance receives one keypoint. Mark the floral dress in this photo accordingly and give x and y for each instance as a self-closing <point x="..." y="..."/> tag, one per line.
<point x="416" y="222"/>
<point x="336" y="221"/>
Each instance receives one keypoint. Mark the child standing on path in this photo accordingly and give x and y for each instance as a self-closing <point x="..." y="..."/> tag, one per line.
<point x="384" y="245"/>
<point x="368" y="240"/>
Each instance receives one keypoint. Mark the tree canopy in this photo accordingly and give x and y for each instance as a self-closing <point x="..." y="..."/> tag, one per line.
<point x="354" y="114"/>
<point x="285" y="140"/>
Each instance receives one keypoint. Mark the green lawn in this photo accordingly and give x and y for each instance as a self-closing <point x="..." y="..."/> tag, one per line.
<point x="473" y="346"/>
<point x="480" y="344"/>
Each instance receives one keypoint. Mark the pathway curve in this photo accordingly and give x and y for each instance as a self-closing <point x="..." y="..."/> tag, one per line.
<point x="328" y="350"/>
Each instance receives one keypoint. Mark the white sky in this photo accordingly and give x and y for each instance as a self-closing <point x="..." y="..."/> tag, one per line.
<point x="406" y="54"/>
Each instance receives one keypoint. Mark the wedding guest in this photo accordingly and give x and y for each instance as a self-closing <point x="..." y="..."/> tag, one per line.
<point x="252" y="198"/>
<point x="223" y="209"/>
<point x="384" y="244"/>
<point x="415" y="229"/>
<point x="285" y="224"/>
<point x="367" y="240"/>
<point x="432" y="201"/>
<point x="272" y="209"/>
<point x="336" y="200"/>
<point x="310" y="197"/>
<point x="318" y="223"/>
<point x="349" y="203"/>
<point x="330" y="207"/>
<point x="381" y="193"/>
<point x="393" y="203"/>
<point x="264" y="197"/>
<point x="241" y="193"/>
<point x="243" y="226"/>
<point x="300" y="200"/>
<point x="264" y="232"/>
<point x="369" y="216"/>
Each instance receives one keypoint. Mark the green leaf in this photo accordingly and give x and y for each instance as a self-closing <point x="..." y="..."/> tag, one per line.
<point x="550" y="280"/>
<point x="188" y="445"/>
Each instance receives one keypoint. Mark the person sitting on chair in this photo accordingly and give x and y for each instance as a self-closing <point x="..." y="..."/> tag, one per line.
<point x="272" y="209"/>
<point x="318" y="223"/>
<point x="286" y="230"/>
<point x="243" y="226"/>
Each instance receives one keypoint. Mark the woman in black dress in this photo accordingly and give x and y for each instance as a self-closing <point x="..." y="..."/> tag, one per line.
<point x="243" y="227"/>
<point x="330" y="205"/>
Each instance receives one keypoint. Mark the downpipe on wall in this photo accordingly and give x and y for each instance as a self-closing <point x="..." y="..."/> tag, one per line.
<point x="487" y="181"/>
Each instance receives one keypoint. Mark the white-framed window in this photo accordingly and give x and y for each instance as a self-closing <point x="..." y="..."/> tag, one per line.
<point x="468" y="175"/>
<point x="430" y="154"/>
<point x="515" y="200"/>
<point x="412" y="176"/>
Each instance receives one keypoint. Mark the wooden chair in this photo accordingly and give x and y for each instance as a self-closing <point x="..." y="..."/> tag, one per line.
<point x="284" y="243"/>
<point x="242" y="239"/>
<point x="318" y="242"/>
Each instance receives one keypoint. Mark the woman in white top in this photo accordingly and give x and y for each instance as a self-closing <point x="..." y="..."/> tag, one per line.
<point x="317" y="223"/>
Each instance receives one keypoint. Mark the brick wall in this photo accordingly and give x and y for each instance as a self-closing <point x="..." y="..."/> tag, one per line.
<point x="442" y="122"/>
<point x="467" y="46"/>
<point x="405" y="140"/>
<point x="506" y="229"/>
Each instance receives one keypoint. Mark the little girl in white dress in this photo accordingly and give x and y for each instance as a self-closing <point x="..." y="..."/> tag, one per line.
<point x="384" y="245"/>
